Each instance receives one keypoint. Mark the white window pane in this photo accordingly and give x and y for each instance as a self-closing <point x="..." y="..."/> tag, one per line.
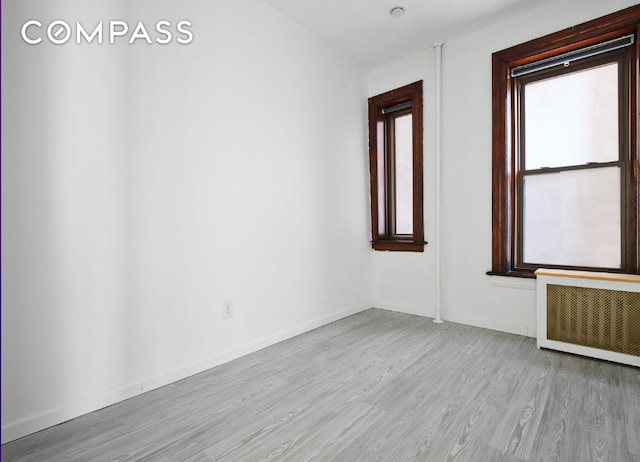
<point x="404" y="174"/>
<point x="572" y="119"/>
<point x="573" y="218"/>
<point x="381" y="187"/>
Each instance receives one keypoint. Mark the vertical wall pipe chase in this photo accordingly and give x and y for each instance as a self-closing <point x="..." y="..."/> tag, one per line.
<point x="438" y="139"/>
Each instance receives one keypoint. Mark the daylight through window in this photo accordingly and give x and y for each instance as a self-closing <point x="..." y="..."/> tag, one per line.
<point x="565" y="162"/>
<point x="395" y="150"/>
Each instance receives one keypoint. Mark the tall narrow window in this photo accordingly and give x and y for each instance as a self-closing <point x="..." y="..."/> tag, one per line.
<point x="395" y="154"/>
<point x="570" y="177"/>
<point x="565" y="160"/>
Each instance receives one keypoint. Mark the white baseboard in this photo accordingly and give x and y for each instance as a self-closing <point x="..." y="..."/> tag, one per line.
<point x="519" y="329"/>
<point x="34" y="423"/>
<point x="427" y="313"/>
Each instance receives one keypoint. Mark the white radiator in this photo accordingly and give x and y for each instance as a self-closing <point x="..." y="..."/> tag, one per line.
<point x="591" y="314"/>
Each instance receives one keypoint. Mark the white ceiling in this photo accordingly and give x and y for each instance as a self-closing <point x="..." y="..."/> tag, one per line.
<point x="366" y="31"/>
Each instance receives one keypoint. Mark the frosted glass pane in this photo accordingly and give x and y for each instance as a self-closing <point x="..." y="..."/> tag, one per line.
<point x="404" y="174"/>
<point x="573" y="218"/>
<point x="572" y="119"/>
<point x="381" y="187"/>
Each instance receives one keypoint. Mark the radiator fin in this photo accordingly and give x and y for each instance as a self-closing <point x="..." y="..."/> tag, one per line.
<point x="599" y="318"/>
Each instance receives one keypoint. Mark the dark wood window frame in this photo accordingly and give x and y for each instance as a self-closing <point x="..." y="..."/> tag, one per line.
<point x="382" y="215"/>
<point x="504" y="183"/>
<point x="618" y="56"/>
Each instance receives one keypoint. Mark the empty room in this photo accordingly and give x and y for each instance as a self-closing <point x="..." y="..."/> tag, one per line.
<point x="357" y="230"/>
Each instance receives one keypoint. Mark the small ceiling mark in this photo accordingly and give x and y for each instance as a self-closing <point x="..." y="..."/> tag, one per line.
<point x="396" y="11"/>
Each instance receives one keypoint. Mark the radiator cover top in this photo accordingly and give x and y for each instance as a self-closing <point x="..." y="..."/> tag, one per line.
<point x="599" y="318"/>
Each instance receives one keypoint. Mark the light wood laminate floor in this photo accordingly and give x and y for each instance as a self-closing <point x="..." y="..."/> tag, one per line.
<point x="377" y="386"/>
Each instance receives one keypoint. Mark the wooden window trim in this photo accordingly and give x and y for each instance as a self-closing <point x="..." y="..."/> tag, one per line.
<point x="382" y="239"/>
<point x="618" y="57"/>
<point x="503" y="133"/>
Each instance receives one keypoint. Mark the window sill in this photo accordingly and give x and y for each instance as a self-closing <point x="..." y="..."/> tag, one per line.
<point x="513" y="274"/>
<point x="398" y="245"/>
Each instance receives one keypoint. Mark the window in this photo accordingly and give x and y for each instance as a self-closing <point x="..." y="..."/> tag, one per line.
<point x="565" y="152"/>
<point x="395" y="162"/>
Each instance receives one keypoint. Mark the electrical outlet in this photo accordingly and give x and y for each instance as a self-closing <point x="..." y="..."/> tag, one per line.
<point x="227" y="310"/>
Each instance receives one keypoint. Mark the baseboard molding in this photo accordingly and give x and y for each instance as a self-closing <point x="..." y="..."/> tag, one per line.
<point x="427" y="313"/>
<point x="527" y="331"/>
<point x="34" y="423"/>
<point x="519" y="329"/>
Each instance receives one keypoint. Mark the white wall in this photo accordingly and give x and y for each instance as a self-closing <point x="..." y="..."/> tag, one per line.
<point x="405" y="282"/>
<point x="145" y="185"/>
